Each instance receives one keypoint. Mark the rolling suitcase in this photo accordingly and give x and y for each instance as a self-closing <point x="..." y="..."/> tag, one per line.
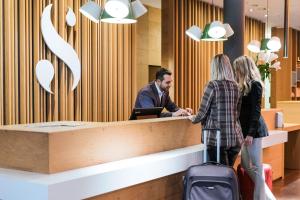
<point x="211" y="180"/>
<point x="246" y="183"/>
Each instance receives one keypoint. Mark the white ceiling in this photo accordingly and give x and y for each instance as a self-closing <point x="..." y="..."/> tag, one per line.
<point x="259" y="7"/>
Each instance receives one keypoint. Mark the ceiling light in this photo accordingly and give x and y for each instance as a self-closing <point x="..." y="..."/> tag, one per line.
<point x="129" y="19"/>
<point x="194" y="32"/>
<point x="138" y="8"/>
<point x="254" y="46"/>
<point x="266" y="44"/>
<point x="228" y="29"/>
<point x="91" y="10"/>
<point x="117" y="8"/>
<point x="216" y="30"/>
<point x="274" y="44"/>
<point x="206" y="37"/>
<point x="115" y="11"/>
<point x="251" y="10"/>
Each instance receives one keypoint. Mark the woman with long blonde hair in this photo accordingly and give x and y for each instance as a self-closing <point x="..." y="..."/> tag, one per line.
<point x="253" y="126"/>
<point x="219" y="110"/>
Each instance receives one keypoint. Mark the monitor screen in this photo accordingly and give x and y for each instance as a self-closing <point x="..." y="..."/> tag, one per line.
<point x="145" y="113"/>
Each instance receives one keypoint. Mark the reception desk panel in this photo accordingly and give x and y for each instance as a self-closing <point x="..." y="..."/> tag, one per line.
<point x="29" y="152"/>
<point x="60" y="146"/>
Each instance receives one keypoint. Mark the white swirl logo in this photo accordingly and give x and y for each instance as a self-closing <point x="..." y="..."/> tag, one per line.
<point x="62" y="49"/>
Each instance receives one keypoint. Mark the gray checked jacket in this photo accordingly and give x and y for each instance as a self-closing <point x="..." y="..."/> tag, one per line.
<point x="220" y="107"/>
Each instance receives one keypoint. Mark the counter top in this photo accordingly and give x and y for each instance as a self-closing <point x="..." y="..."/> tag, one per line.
<point x="275" y="137"/>
<point x="60" y="126"/>
<point x="290" y="127"/>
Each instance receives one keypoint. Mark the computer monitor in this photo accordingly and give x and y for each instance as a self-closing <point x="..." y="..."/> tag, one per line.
<point x="145" y="113"/>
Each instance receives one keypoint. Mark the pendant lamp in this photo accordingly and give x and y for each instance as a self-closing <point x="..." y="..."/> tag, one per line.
<point x="272" y="44"/>
<point x="129" y="19"/>
<point x="207" y="37"/>
<point x="114" y="11"/>
<point x="117" y="8"/>
<point x="214" y="31"/>
<point x="91" y="10"/>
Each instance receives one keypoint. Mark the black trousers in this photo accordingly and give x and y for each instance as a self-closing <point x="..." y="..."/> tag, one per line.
<point x="227" y="155"/>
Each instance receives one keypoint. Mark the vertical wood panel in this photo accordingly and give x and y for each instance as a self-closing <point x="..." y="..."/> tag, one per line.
<point x="282" y="90"/>
<point x="1" y="65"/>
<point x="106" y="89"/>
<point x="8" y="61"/>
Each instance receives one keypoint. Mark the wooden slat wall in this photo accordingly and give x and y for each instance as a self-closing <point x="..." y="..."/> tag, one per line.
<point x="107" y="52"/>
<point x="108" y="84"/>
<point x="192" y="59"/>
<point x="282" y="90"/>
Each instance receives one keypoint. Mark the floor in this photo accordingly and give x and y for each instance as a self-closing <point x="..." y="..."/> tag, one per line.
<point x="289" y="187"/>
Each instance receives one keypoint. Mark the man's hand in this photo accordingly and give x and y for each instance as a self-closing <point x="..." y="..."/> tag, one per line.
<point x="180" y="112"/>
<point x="248" y="140"/>
<point x="189" y="110"/>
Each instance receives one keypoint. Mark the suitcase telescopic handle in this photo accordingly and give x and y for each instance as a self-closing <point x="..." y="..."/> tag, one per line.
<point x="204" y="131"/>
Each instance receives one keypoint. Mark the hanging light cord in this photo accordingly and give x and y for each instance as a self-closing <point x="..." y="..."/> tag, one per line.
<point x="267" y="14"/>
<point x="213" y="10"/>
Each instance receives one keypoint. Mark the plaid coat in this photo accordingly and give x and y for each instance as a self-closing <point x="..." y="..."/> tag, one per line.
<point x="220" y="108"/>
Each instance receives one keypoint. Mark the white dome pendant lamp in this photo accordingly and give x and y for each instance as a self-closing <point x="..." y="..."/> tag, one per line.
<point x="117" y="8"/>
<point x="272" y="44"/>
<point x="214" y="31"/>
<point x="254" y="46"/>
<point x="114" y="11"/>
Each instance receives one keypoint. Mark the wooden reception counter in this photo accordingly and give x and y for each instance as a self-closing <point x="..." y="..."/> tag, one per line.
<point x="291" y="115"/>
<point x="59" y="146"/>
<point x="117" y="160"/>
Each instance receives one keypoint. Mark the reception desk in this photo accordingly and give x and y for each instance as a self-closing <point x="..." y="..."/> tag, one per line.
<point x="59" y="146"/>
<point x="291" y="113"/>
<point x="117" y="160"/>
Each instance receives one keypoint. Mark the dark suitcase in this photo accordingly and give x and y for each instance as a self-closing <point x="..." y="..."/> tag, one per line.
<point x="211" y="180"/>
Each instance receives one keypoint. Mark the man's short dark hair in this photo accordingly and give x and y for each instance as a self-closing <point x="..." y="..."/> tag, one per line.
<point x="160" y="74"/>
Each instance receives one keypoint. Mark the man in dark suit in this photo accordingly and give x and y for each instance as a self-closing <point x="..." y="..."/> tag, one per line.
<point x="156" y="94"/>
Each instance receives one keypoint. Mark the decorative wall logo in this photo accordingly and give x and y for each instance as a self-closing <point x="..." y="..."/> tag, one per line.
<point x="62" y="49"/>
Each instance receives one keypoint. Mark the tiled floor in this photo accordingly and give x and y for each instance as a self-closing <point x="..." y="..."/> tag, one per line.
<point x="289" y="187"/>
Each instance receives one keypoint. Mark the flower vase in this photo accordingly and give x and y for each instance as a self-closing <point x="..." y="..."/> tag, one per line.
<point x="267" y="92"/>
